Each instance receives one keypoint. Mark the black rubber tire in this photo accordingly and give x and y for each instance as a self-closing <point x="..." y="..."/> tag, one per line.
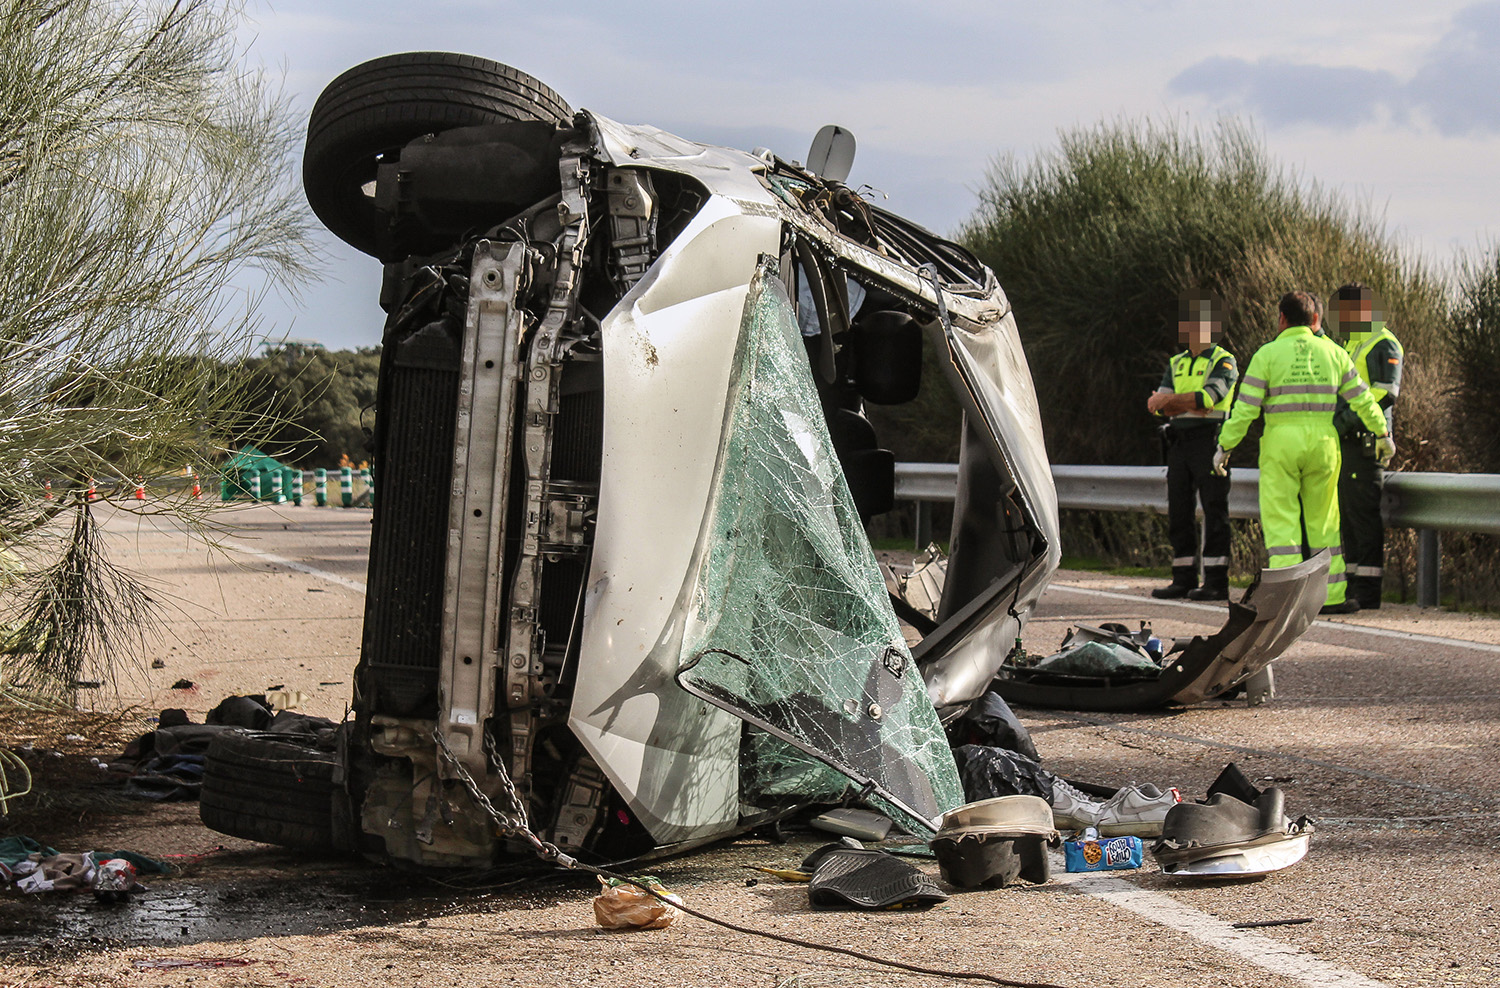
<point x="269" y="788"/>
<point x="381" y="105"/>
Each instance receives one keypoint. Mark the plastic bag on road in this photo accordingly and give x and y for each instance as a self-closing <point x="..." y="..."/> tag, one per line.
<point x="622" y="906"/>
<point x="987" y="772"/>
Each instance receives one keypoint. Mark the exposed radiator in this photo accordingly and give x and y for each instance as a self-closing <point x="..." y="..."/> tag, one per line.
<point x="408" y="545"/>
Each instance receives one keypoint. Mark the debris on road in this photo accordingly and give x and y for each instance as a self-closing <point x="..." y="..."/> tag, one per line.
<point x="846" y="874"/>
<point x="177" y="963"/>
<point x="991" y="843"/>
<point x="114" y="880"/>
<point x="1263" y="923"/>
<point x="1093" y="853"/>
<point x="167" y="764"/>
<point x="1127" y="675"/>
<point x="29" y="866"/>
<point x="625" y="906"/>
<point x="1239" y="831"/>
<point x="850" y="822"/>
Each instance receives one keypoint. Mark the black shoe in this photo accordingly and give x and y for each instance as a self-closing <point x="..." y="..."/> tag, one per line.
<point x="1349" y="606"/>
<point x="1172" y="591"/>
<point x="1209" y="593"/>
<point x="1368" y="603"/>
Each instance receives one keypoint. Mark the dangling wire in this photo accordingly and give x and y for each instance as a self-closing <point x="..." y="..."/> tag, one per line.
<point x="10" y="758"/>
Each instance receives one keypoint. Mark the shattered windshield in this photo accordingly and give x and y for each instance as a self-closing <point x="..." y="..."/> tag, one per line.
<point x="791" y="627"/>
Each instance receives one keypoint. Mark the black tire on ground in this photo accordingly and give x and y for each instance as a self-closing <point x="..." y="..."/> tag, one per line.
<point x="269" y="788"/>
<point x="379" y="106"/>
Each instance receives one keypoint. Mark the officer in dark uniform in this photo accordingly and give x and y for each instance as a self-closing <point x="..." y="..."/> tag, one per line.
<point x="1377" y="357"/>
<point x="1194" y="396"/>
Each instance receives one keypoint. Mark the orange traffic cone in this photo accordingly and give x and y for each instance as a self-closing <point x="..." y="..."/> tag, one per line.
<point x="47" y="490"/>
<point x="140" y="489"/>
<point x="197" y="491"/>
<point x="93" y="494"/>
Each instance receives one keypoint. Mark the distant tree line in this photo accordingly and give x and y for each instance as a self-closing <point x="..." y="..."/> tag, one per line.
<point x="320" y="403"/>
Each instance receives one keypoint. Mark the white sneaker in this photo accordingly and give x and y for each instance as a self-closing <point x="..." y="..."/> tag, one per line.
<point x="1136" y="811"/>
<point x="1073" y="809"/>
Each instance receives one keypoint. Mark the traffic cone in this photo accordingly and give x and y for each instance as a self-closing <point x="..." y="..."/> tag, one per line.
<point x="197" y="491"/>
<point x="93" y="493"/>
<point x="140" y="489"/>
<point x="47" y="490"/>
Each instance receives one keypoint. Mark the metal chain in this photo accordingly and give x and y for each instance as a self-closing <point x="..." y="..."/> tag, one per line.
<point x="515" y="826"/>
<point x="507" y="787"/>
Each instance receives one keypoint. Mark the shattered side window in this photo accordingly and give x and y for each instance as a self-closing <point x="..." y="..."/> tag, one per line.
<point x="791" y="627"/>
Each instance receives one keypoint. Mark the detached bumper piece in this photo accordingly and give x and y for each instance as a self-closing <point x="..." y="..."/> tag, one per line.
<point x="1273" y="614"/>
<point x="1240" y="832"/>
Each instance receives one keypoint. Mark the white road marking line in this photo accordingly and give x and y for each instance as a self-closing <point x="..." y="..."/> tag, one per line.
<point x="1333" y="625"/>
<point x="321" y="574"/>
<point x="1260" y="950"/>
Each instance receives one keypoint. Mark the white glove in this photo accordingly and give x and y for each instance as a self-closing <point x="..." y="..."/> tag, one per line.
<point x="1221" y="462"/>
<point x="1385" y="450"/>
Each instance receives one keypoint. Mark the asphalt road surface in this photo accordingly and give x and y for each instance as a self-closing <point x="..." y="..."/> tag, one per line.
<point x="1384" y="731"/>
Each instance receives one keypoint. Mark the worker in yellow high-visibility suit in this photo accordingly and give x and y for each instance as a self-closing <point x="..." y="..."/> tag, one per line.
<point x="1295" y="381"/>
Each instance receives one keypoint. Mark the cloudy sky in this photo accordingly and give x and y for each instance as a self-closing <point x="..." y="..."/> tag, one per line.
<point x="1395" y="104"/>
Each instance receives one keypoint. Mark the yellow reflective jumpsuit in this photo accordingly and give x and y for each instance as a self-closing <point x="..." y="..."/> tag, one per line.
<point x="1295" y="380"/>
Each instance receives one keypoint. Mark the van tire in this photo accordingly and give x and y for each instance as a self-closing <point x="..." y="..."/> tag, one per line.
<point x="272" y="788"/>
<point x="379" y="106"/>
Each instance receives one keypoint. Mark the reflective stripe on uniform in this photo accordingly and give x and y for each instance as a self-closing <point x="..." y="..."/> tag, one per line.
<point x="1252" y="382"/>
<point x="1337" y="578"/>
<point x="1366" y="570"/>
<point x="1215" y="560"/>
<point x="1302" y="389"/>
<point x="1284" y="550"/>
<point x="1184" y="561"/>
<point x="1301" y="406"/>
<point x="1350" y="392"/>
<point x="1252" y="400"/>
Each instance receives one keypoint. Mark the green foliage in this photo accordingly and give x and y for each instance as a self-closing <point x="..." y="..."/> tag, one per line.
<point x="1473" y="334"/>
<point x="1095" y="241"/>
<point x="322" y="402"/>
<point x="145" y="181"/>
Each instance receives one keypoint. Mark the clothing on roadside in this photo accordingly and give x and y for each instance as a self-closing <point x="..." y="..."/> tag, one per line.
<point x="1295" y="381"/>
<point x="1190" y="439"/>
<point x="1378" y="358"/>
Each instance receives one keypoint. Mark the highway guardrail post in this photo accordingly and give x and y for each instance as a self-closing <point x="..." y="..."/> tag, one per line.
<point x="1429" y="566"/>
<point x="923" y="524"/>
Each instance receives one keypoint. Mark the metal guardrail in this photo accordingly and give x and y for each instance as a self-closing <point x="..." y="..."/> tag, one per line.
<point x="1428" y="502"/>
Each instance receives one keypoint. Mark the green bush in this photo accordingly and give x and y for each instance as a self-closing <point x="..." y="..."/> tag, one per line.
<point x="1473" y="338"/>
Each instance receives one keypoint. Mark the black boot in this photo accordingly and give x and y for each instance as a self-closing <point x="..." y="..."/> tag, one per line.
<point x="1215" y="584"/>
<point x="1184" y="580"/>
<point x="1366" y="590"/>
